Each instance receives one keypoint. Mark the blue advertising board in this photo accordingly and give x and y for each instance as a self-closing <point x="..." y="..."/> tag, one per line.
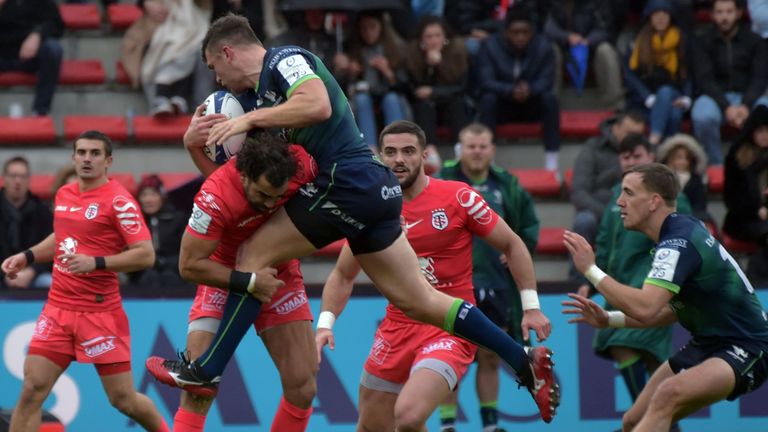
<point x="593" y="397"/>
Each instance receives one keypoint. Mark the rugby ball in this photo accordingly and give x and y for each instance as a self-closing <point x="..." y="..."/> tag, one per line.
<point x="222" y="102"/>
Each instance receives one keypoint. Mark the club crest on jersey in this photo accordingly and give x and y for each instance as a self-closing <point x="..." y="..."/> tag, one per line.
<point x="439" y="219"/>
<point x="92" y="211"/>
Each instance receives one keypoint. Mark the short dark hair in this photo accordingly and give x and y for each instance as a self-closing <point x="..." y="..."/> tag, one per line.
<point x="229" y="29"/>
<point x="633" y="141"/>
<point x="738" y="3"/>
<point x="405" y="126"/>
<point x="13" y="160"/>
<point x="267" y="155"/>
<point x="659" y="178"/>
<point x="95" y="135"/>
<point x="635" y="115"/>
<point x="429" y="20"/>
<point x="518" y="13"/>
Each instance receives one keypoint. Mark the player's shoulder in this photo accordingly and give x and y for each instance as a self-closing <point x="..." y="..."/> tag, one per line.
<point x="222" y="183"/>
<point x="679" y="231"/>
<point x="277" y="55"/>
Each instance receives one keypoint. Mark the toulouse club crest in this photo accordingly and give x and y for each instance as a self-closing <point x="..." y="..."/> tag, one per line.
<point x="92" y="211"/>
<point x="439" y="219"/>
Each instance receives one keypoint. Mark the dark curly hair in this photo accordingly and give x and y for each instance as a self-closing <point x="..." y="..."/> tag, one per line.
<point x="267" y="155"/>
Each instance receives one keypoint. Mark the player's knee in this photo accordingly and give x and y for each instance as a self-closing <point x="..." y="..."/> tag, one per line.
<point x="301" y="392"/>
<point x="409" y="418"/>
<point x="667" y="396"/>
<point x="33" y="392"/>
<point x="123" y="401"/>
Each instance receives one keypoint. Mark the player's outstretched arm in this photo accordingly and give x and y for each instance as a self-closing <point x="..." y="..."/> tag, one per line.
<point x="41" y="253"/>
<point x="196" y="136"/>
<point x="520" y="265"/>
<point x="336" y="293"/>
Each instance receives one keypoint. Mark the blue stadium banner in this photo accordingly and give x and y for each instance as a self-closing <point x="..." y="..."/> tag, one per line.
<point x="593" y="393"/>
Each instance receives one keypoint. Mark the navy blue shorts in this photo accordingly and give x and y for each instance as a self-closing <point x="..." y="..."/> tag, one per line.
<point x="749" y="362"/>
<point x="357" y="200"/>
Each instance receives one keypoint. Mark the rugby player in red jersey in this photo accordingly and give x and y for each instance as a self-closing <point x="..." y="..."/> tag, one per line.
<point x="412" y="367"/>
<point x="98" y="231"/>
<point x="231" y="204"/>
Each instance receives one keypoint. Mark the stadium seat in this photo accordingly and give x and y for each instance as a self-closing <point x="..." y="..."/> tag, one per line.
<point x="72" y="72"/>
<point x="538" y="181"/>
<point x="735" y="246"/>
<point x="518" y="130"/>
<point x="127" y="180"/>
<point x="25" y="130"/>
<point x="121" y="76"/>
<point x="332" y="250"/>
<point x="148" y="129"/>
<point x="172" y="180"/>
<point x="115" y="127"/>
<point x="716" y="179"/>
<point x="122" y="15"/>
<point x="551" y="241"/>
<point x="580" y="124"/>
<point x="80" y="16"/>
<point x="40" y="185"/>
<point x="568" y="180"/>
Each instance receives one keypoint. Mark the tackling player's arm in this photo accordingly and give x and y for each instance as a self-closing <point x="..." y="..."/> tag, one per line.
<point x="40" y="253"/>
<point x="520" y="265"/>
<point x="138" y="256"/>
<point x="196" y="266"/>
<point x="336" y="294"/>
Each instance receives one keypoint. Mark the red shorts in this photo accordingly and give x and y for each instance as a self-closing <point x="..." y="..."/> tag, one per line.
<point x="289" y="304"/>
<point x="399" y="346"/>
<point x="88" y="337"/>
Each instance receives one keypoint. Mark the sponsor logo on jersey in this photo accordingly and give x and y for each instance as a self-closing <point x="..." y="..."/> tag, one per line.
<point x="199" y="221"/>
<point x="214" y="299"/>
<point x="380" y="349"/>
<point x="60" y="208"/>
<point x="664" y="264"/>
<point x="98" y="345"/>
<point x="206" y="200"/>
<point x="91" y="212"/>
<point x="391" y="192"/>
<point x="476" y="206"/>
<point x="74" y="209"/>
<point x="406" y="226"/>
<point x="343" y="216"/>
<point x="738" y="353"/>
<point x="294" y="68"/>
<point x="42" y="328"/>
<point x="440" y="345"/>
<point x="289" y="302"/>
<point x="427" y="266"/>
<point x="308" y="190"/>
<point x="127" y="213"/>
<point x="439" y="219"/>
<point x="68" y="246"/>
<point x="681" y="243"/>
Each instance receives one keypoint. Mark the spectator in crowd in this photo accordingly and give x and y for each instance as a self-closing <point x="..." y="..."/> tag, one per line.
<point x="596" y="171"/>
<point x="373" y="71"/>
<point x="63" y="176"/>
<point x="161" y="51"/>
<point x="474" y="19"/>
<point x="166" y="225"/>
<point x="687" y="159"/>
<point x="307" y="29"/>
<point x="616" y="12"/>
<point x="746" y="191"/>
<point x="29" y="43"/>
<point x="731" y="71"/>
<point x="758" y="15"/>
<point x="580" y="23"/>
<point x="24" y="222"/>
<point x="437" y="69"/>
<point x="517" y="70"/>
<point x="495" y="290"/>
<point x="626" y="255"/>
<point x="657" y="76"/>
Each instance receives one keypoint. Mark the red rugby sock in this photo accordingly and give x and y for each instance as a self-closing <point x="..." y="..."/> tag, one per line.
<point x="290" y="418"/>
<point x="188" y="421"/>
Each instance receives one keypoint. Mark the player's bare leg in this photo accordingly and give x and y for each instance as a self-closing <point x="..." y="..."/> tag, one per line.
<point x="293" y="350"/>
<point x="40" y="374"/>
<point x="487" y="378"/>
<point x="193" y="408"/>
<point x="423" y="392"/>
<point x="688" y="391"/>
<point x="633" y="415"/>
<point x="123" y="396"/>
<point x="376" y="410"/>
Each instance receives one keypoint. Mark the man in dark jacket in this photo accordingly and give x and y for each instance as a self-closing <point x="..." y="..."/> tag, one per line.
<point x="495" y="290"/>
<point x="28" y="43"/>
<point x="731" y="71"/>
<point x="24" y="222"/>
<point x="517" y="70"/>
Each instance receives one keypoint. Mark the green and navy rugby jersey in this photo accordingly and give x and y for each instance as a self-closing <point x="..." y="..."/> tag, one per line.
<point x="334" y="140"/>
<point x="713" y="298"/>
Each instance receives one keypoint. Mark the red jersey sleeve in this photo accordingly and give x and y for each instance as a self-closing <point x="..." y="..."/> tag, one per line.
<point x="127" y="215"/>
<point x="480" y="217"/>
<point x="208" y="217"/>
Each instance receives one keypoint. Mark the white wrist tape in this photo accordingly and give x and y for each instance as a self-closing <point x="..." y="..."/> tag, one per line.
<point x="251" y="283"/>
<point x="594" y="275"/>
<point x="326" y="320"/>
<point x="616" y="319"/>
<point x="529" y="299"/>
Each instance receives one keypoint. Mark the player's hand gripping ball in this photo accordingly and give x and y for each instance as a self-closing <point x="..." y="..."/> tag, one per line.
<point x="222" y="102"/>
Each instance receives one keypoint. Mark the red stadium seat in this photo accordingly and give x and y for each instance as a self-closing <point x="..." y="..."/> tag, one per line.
<point x="72" y="72"/>
<point x="80" y="16"/>
<point x="737" y="246"/>
<point x="538" y="181"/>
<point x="580" y="124"/>
<point x="122" y="15"/>
<point x="518" y="130"/>
<point x="25" y="130"/>
<point x="116" y="127"/>
<point x="551" y="241"/>
<point x="716" y="177"/>
<point x="172" y="180"/>
<point x="568" y="180"/>
<point x="121" y="76"/>
<point x="332" y="250"/>
<point x="41" y="185"/>
<point x="127" y="180"/>
<point x="147" y="128"/>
